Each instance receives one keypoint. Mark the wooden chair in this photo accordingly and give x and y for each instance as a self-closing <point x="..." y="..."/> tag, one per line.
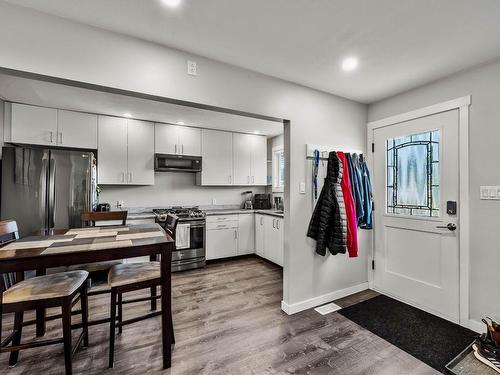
<point x="129" y="277"/>
<point x="17" y="295"/>
<point x="89" y="219"/>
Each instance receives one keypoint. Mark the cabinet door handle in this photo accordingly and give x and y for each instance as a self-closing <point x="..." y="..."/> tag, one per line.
<point x="175" y="148"/>
<point x="130" y="177"/>
<point x="61" y="141"/>
<point x="261" y="220"/>
<point x="122" y="177"/>
<point x="253" y="179"/>
<point x="182" y="148"/>
<point x="235" y="234"/>
<point x="229" y="179"/>
<point x="274" y="223"/>
<point x="248" y="179"/>
<point x="51" y="137"/>
<point x="277" y="224"/>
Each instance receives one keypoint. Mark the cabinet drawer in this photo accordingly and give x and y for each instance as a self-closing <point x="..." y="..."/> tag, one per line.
<point x="222" y="225"/>
<point x="221" y="218"/>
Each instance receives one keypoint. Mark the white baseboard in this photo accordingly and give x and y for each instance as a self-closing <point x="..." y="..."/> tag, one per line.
<point x="321" y="300"/>
<point x="477" y="326"/>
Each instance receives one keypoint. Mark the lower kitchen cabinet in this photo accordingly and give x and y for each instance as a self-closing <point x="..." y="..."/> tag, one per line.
<point x="246" y="233"/>
<point x="269" y="238"/>
<point x="222" y="243"/>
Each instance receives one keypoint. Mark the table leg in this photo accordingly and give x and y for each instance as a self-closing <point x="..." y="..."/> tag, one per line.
<point x="166" y="308"/>
<point x="40" y="313"/>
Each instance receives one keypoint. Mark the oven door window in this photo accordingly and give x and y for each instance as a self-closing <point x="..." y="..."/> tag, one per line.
<point x="197" y="235"/>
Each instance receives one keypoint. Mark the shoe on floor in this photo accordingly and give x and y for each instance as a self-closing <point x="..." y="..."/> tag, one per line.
<point x="481" y="355"/>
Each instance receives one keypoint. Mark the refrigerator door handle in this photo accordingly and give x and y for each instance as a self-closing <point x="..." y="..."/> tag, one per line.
<point x="52" y="193"/>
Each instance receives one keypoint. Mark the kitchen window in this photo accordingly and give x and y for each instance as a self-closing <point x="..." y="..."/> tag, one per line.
<point x="278" y="164"/>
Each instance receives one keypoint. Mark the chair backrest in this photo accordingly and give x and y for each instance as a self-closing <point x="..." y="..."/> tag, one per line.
<point x="171" y="225"/>
<point x="8" y="233"/>
<point x="89" y="218"/>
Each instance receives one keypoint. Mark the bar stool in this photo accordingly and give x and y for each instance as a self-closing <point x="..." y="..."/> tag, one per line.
<point x="129" y="277"/>
<point x="17" y="295"/>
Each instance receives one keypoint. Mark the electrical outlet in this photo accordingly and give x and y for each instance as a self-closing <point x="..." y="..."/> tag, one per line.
<point x="119" y="204"/>
<point x="192" y="68"/>
<point x="214" y="201"/>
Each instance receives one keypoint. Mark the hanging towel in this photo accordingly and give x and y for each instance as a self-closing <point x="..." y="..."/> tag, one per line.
<point x="328" y="225"/>
<point x="367" y="219"/>
<point x="352" y="223"/>
<point x="182" y="236"/>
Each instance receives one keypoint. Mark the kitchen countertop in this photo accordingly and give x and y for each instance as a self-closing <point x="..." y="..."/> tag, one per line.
<point x="211" y="212"/>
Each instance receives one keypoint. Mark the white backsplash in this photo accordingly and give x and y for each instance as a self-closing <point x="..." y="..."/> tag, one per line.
<point x="174" y="189"/>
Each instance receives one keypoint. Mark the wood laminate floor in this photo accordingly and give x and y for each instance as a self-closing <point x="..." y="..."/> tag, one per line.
<point x="228" y="321"/>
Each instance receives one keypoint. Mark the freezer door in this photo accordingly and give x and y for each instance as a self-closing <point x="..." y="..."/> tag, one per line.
<point x="24" y="188"/>
<point x="69" y="187"/>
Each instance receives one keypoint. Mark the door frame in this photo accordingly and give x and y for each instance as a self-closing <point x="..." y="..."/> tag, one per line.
<point x="462" y="104"/>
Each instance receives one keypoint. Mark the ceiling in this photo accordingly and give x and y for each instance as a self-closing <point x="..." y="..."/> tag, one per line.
<point x="29" y="91"/>
<point x="400" y="44"/>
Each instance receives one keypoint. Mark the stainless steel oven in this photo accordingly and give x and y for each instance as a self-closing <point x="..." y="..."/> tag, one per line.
<point x="190" y="237"/>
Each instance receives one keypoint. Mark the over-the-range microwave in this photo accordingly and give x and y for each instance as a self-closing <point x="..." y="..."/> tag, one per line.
<point x="177" y="163"/>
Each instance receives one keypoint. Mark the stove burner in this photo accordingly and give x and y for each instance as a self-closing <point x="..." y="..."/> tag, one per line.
<point x="181" y="212"/>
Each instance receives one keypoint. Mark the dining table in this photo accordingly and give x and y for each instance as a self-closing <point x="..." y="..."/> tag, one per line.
<point x="68" y="247"/>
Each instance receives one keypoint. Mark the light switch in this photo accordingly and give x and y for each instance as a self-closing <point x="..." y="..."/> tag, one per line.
<point x="302" y="188"/>
<point x="489" y="193"/>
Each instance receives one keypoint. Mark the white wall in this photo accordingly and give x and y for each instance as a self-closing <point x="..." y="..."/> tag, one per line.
<point x="172" y="189"/>
<point x="43" y="44"/>
<point x="483" y="83"/>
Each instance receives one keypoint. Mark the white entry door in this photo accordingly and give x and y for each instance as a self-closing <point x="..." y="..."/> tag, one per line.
<point x="416" y="191"/>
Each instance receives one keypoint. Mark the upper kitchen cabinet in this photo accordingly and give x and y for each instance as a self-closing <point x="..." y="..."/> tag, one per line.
<point x="249" y="159"/>
<point x="217" y="158"/>
<point x="30" y="124"/>
<point x="77" y="129"/>
<point x="125" y="151"/>
<point x="179" y="140"/>
<point x="50" y="127"/>
<point x="140" y="158"/>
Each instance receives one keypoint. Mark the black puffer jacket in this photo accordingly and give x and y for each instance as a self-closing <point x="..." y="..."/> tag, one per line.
<point x="328" y="223"/>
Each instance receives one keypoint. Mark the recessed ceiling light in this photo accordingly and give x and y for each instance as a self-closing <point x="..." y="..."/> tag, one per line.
<point x="350" y="64"/>
<point x="256" y="132"/>
<point x="172" y="3"/>
<point x="127" y="115"/>
<point x="180" y="122"/>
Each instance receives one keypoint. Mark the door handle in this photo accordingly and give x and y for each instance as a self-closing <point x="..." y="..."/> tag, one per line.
<point x="253" y="179"/>
<point x="123" y="177"/>
<point x="277" y="224"/>
<point x="51" y="137"/>
<point x="61" y="135"/>
<point x="449" y="226"/>
<point x="274" y="223"/>
<point x="175" y="149"/>
<point x="182" y="148"/>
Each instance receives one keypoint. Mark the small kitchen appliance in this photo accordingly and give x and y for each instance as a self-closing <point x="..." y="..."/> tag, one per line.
<point x="262" y="202"/>
<point x="247" y="203"/>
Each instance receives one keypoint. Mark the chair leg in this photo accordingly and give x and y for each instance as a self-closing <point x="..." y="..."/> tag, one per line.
<point x="18" y="330"/>
<point x="172" y="325"/>
<point x="112" y="325"/>
<point x="85" y="314"/>
<point x="153" y="300"/>
<point x="120" y="312"/>
<point x="66" y="323"/>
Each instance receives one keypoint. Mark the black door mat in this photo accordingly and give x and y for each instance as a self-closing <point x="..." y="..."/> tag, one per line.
<point x="431" y="339"/>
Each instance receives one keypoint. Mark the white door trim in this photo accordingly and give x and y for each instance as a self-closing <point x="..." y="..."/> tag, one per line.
<point x="462" y="104"/>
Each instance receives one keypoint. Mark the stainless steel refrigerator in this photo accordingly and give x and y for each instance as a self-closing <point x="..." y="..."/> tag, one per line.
<point x="46" y="189"/>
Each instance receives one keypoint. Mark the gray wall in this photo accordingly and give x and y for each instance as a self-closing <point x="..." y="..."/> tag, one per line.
<point x="40" y="43"/>
<point x="483" y="83"/>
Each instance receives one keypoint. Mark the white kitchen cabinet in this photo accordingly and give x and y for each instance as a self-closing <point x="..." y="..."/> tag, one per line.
<point x="269" y="240"/>
<point x="259" y="234"/>
<point x="125" y="151"/>
<point x="180" y="140"/>
<point x="140" y="153"/>
<point x="242" y="158"/>
<point x="166" y="139"/>
<point x="222" y="242"/>
<point x="246" y="233"/>
<point x="77" y="129"/>
<point x="259" y="160"/>
<point x="112" y="150"/>
<point x="217" y="154"/>
<point x="189" y="141"/>
<point x="249" y="159"/>
<point x="32" y="125"/>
